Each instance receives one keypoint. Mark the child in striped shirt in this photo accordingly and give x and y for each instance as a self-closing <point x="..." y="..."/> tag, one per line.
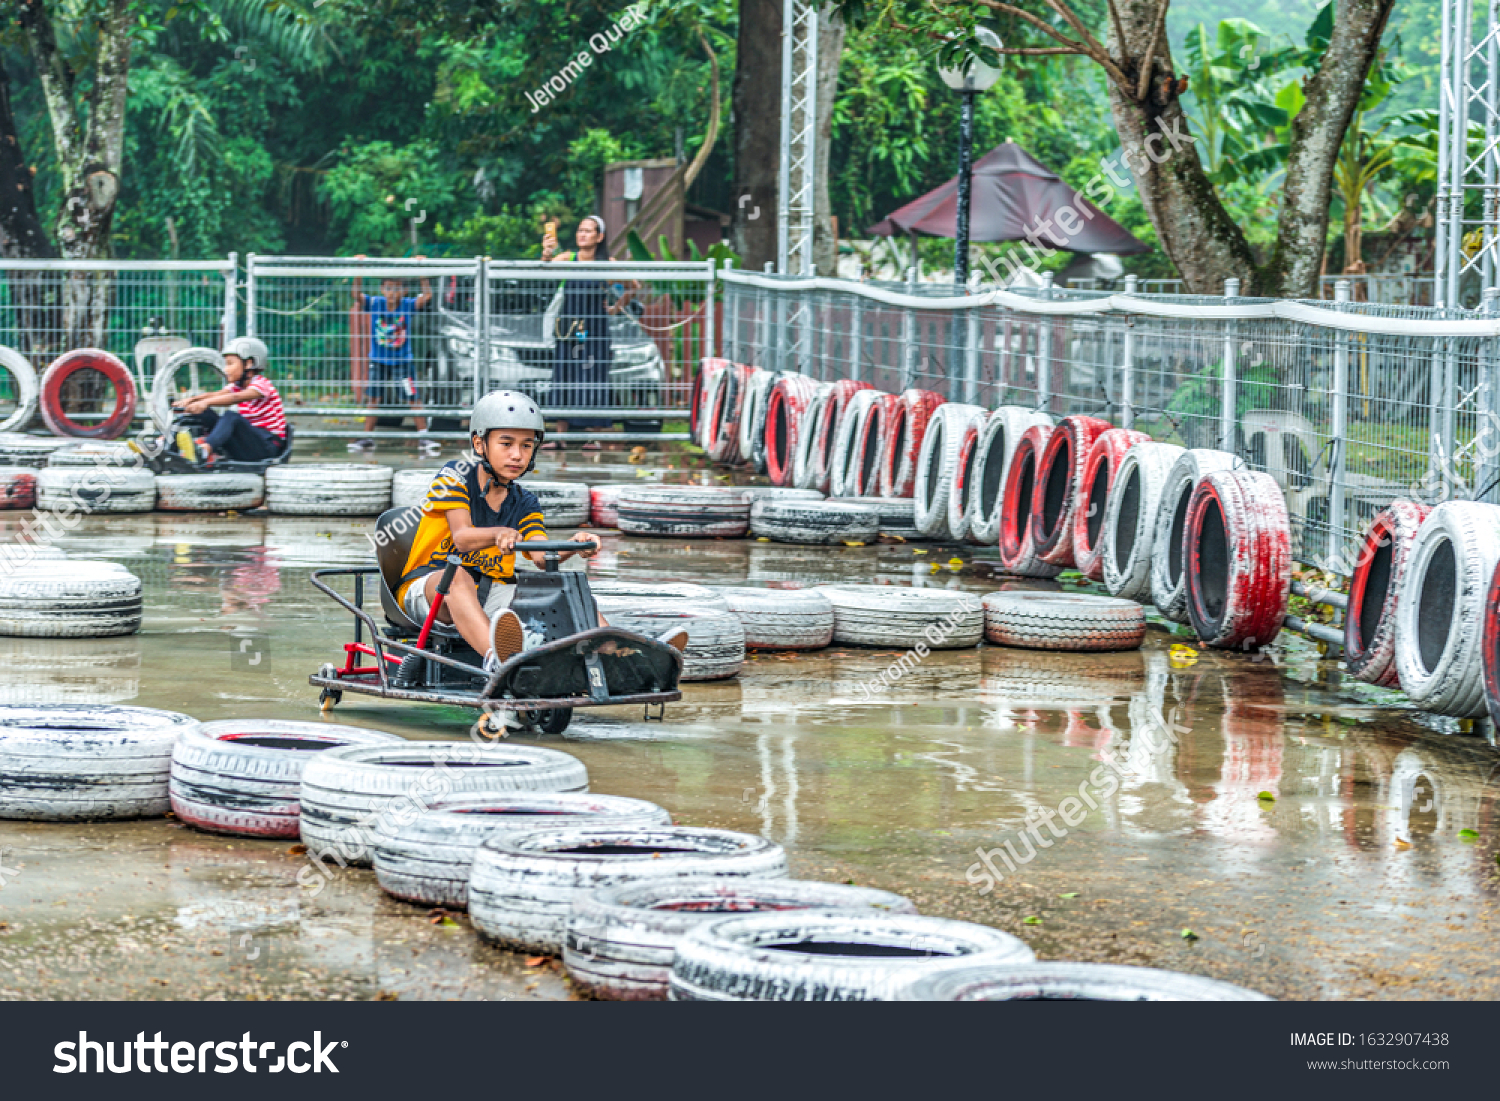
<point x="255" y="430"/>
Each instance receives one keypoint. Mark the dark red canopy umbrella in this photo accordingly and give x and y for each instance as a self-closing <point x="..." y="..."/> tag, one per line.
<point x="1011" y="192"/>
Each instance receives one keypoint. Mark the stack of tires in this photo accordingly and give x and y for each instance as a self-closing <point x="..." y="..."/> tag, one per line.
<point x="694" y="512"/>
<point x="328" y="489"/>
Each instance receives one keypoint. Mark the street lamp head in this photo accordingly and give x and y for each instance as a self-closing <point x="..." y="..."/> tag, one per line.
<point x="973" y="75"/>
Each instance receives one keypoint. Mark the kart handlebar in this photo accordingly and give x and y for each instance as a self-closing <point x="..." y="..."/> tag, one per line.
<point x="550" y="549"/>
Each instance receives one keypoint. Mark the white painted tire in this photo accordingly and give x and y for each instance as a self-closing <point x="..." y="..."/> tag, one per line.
<point x="898" y="516"/>
<point x="243" y="777"/>
<point x="1055" y="980"/>
<point x="410" y="487"/>
<point x="93" y="453"/>
<point x="1168" y="558"/>
<point x="805" y="462"/>
<point x="782" y="619"/>
<point x="692" y="512"/>
<point x="164" y="388"/>
<point x="851" y="956"/>
<point x="779" y="493"/>
<point x="753" y="418"/>
<point x="620" y="941"/>
<point x="95" y="489"/>
<point x="895" y="617"/>
<point x="936" y="466"/>
<point x="997" y="445"/>
<point x="20" y="449"/>
<point x="604" y="504"/>
<point x="64" y="762"/>
<point x="814" y="522"/>
<point x="963" y="502"/>
<point x="429" y="859"/>
<point x="1130" y="519"/>
<point x="847" y="434"/>
<point x="564" y="504"/>
<point x="328" y="489"/>
<point x="27" y="390"/>
<point x="353" y="797"/>
<point x="1063" y="621"/>
<point x="69" y="599"/>
<point x="523" y="885"/>
<point x="208" y="492"/>
<point x="625" y="595"/>
<point x="715" y="643"/>
<point x="1440" y="616"/>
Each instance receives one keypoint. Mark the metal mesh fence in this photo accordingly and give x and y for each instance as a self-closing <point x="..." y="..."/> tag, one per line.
<point x="1347" y="406"/>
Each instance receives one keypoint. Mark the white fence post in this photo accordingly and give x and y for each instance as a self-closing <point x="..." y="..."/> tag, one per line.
<point x="1487" y="431"/>
<point x="231" y="302"/>
<point x="856" y="336"/>
<point x="1338" y="427"/>
<point x="482" y="328"/>
<point x="971" y="357"/>
<point x="710" y="343"/>
<point x="1229" y="397"/>
<point x="250" y="294"/>
<point x="909" y="336"/>
<point x="1127" y="364"/>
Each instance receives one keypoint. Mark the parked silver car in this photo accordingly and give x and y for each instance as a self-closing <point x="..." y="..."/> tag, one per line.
<point x="521" y="351"/>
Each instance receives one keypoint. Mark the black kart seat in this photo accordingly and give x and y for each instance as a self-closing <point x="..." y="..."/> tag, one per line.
<point x="394" y="533"/>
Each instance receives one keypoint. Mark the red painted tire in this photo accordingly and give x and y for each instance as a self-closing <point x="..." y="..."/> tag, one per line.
<point x="114" y="372"/>
<point x="786" y="414"/>
<point x="905" y="428"/>
<point x="962" y="500"/>
<point x="727" y="402"/>
<point x="1099" y="471"/>
<point x="827" y="427"/>
<point x="1017" y="552"/>
<point x="1059" y="474"/>
<point x="702" y="389"/>
<point x="870" y="447"/>
<point x="1491" y="648"/>
<point x="1238" y="540"/>
<point x="17" y="487"/>
<point x="1379" y="581"/>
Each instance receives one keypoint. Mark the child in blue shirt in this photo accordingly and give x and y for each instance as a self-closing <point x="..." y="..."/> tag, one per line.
<point x="393" y="374"/>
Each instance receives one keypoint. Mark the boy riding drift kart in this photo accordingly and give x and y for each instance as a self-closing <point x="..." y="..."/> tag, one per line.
<point x="251" y="436"/>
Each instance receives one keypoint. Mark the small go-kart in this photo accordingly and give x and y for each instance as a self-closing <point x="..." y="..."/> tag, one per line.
<point x="578" y="664"/>
<point x="171" y="461"/>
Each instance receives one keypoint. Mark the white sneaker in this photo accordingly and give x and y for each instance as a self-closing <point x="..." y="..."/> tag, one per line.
<point x="429" y="448"/>
<point x="677" y="638"/>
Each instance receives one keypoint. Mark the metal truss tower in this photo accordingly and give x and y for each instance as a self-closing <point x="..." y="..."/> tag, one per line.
<point x="799" y="136"/>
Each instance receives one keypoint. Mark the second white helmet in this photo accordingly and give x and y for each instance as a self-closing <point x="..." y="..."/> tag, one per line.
<point x="248" y="348"/>
<point x="506" y="409"/>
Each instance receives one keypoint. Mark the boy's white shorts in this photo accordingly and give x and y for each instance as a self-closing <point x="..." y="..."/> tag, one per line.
<point x="416" y="605"/>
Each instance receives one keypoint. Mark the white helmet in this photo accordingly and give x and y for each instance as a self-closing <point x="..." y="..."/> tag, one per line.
<point x="508" y="409"/>
<point x="248" y="348"/>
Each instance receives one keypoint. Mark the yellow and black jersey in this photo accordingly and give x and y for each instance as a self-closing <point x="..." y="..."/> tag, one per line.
<point x="457" y="486"/>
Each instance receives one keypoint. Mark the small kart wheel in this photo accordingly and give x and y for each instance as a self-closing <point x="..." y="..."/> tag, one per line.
<point x="552" y="721"/>
<point x="328" y="669"/>
<point x="489" y="726"/>
<point x="329" y="698"/>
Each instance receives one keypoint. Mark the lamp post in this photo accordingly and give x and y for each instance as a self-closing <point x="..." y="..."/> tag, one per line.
<point x="972" y="77"/>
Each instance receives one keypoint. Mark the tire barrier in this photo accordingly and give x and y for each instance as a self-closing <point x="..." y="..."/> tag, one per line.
<point x="164" y="389"/>
<point x="243" y="777"/>
<point x="814" y="521"/>
<point x="95" y="489"/>
<point x="753" y="418"/>
<point x="523" y="885"/>
<point x="1378" y="583"/>
<point x="826" y="430"/>
<point x="620" y="941"/>
<point x="564" y="504"/>
<point x="604" y="505"/>
<point x="997" y="445"/>
<point x="18" y="449"/>
<point x="26" y="390"/>
<point x="1059" y="478"/>
<point x="64" y="367"/>
<point x="429" y="859"/>
<point x="1130" y="519"/>
<point x="804" y="465"/>
<point x="209" y="492"/>
<point x="328" y="489"/>
<point x="1168" y="579"/>
<point x="782" y="619"/>
<point x="778" y="493"/>
<point x="354" y="796"/>
<point x="715" y="643"/>
<point x="1099" y="470"/>
<point x="889" y="617"/>
<point x="939" y="460"/>
<point x="1238" y="544"/>
<point x="1058" y="981"/>
<point x="726" y="405"/>
<point x="667" y="594"/>
<point x="844" y="475"/>
<point x="409" y="487"/>
<point x="871" y="446"/>
<point x="694" y="512"/>
<point x="70" y="763"/>
<point x="1018" y="554"/>
<point x="828" y="955"/>
<point x="905" y="429"/>
<point x="698" y="413"/>
<point x="1440" y="616"/>
<point x="1063" y="621"/>
<point x="17" y="487"/>
<point x="786" y="412"/>
<point x="93" y="453"/>
<point x="898" y="516"/>
<point x="961" y="497"/>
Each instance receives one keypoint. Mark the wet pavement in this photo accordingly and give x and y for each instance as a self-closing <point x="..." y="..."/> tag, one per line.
<point x="1252" y="818"/>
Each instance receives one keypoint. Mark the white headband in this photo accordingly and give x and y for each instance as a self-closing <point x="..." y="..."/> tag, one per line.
<point x="598" y="221"/>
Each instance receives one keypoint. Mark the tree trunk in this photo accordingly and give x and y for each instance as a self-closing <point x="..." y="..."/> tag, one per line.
<point x="757" y="131"/>
<point x="1196" y="232"/>
<point x="1317" y="133"/>
<point x="830" y="52"/>
<point x="22" y="237"/>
